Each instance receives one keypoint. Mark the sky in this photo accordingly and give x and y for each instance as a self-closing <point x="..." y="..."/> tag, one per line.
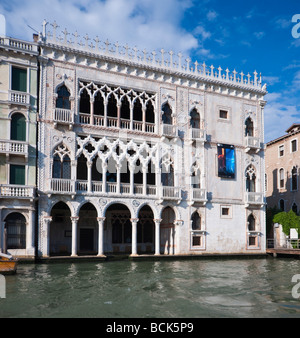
<point x="246" y="36"/>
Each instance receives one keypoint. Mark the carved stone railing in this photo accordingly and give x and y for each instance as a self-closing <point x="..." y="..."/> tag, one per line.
<point x="169" y="130"/>
<point x="18" y="97"/>
<point x="13" y="147"/>
<point x="254" y="198"/>
<point x="170" y="193"/>
<point x="198" y="195"/>
<point x="63" y="116"/>
<point x="16" y="44"/>
<point x="16" y="191"/>
<point x="252" y="143"/>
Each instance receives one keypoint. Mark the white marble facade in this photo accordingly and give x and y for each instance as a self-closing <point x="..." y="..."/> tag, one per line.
<point x="128" y="153"/>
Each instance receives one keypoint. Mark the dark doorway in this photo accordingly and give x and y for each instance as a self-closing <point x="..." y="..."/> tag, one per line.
<point x="86" y="239"/>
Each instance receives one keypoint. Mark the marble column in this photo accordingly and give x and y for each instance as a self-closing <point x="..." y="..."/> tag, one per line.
<point x="157" y="236"/>
<point x="100" y="235"/>
<point x="74" y="221"/>
<point x="46" y="234"/>
<point x="134" y="222"/>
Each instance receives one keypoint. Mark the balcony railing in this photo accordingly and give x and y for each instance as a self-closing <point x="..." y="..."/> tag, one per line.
<point x="18" y="97"/>
<point x="63" y="116"/>
<point x="254" y="198"/>
<point x="58" y="185"/>
<point x="198" y="195"/>
<point x="197" y="134"/>
<point x="16" y="191"/>
<point x="13" y="147"/>
<point x="171" y="193"/>
<point x="169" y="130"/>
<point x="113" y="122"/>
<point x="252" y="143"/>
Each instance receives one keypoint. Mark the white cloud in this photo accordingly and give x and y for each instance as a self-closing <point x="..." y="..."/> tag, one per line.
<point x="212" y="15"/>
<point x="146" y="24"/>
<point x="279" y="116"/>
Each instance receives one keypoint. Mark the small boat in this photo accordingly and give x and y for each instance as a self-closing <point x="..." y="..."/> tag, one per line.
<point x="8" y="264"/>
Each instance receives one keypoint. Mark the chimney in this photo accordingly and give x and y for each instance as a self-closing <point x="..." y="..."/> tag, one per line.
<point x="2" y="25"/>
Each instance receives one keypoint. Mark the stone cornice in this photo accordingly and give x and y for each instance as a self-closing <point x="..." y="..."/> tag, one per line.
<point x="144" y="68"/>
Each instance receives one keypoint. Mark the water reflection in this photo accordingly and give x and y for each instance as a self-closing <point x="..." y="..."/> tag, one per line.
<point x="190" y="288"/>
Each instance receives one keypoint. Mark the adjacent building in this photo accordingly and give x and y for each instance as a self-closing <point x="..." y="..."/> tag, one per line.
<point x="18" y="121"/>
<point x="282" y="171"/>
<point x="145" y="153"/>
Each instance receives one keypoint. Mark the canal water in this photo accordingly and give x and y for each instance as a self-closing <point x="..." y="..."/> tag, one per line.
<point x="196" y="288"/>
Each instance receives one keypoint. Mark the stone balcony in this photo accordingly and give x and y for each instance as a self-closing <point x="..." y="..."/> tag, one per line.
<point x="197" y="134"/>
<point x="19" y="98"/>
<point x="10" y="147"/>
<point x="67" y="117"/>
<point x="252" y="143"/>
<point x="198" y="195"/>
<point x="254" y="199"/>
<point x="169" y="130"/>
<point x="73" y="187"/>
<point x="17" y="191"/>
<point x="63" y="116"/>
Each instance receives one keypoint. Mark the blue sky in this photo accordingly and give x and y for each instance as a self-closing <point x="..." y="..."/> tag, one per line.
<point x="246" y="36"/>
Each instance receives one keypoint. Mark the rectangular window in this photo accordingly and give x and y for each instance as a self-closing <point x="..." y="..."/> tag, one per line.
<point x="281" y="150"/>
<point x="281" y="178"/>
<point x="226" y="161"/>
<point x="293" y="146"/>
<point x="196" y="240"/>
<point x="223" y="114"/>
<point x="19" y="79"/>
<point x="17" y="174"/>
<point x="226" y="211"/>
<point x="252" y="241"/>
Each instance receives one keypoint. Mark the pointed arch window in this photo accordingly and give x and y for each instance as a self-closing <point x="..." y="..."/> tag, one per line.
<point x="196" y="221"/>
<point x="195" y="119"/>
<point x="61" y="163"/>
<point x="63" y="98"/>
<point x="250" y="179"/>
<point x="112" y="110"/>
<point x="251" y="223"/>
<point x="137" y="110"/>
<point x="84" y="106"/>
<point x="167" y="114"/>
<point x="249" y="130"/>
<point x="150" y="118"/>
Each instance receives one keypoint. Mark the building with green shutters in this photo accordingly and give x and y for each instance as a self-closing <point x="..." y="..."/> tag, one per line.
<point x="18" y="120"/>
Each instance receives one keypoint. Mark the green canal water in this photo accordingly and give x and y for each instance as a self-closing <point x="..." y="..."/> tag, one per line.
<point x="197" y="288"/>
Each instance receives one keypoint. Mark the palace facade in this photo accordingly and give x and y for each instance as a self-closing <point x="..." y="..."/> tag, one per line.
<point x="145" y="154"/>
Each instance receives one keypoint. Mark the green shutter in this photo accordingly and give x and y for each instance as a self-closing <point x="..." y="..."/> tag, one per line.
<point x="18" y="127"/>
<point x="17" y="174"/>
<point x="19" y="79"/>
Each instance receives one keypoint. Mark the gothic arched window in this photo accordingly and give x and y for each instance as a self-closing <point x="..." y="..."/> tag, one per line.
<point x="61" y="163"/>
<point x="63" y="98"/>
<point x="196" y="221"/>
<point x="250" y="179"/>
<point x="251" y="223"/>
<point x="167" y="114"/>
<point x="249" y="131"/>
<point x="195" y="119"/>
